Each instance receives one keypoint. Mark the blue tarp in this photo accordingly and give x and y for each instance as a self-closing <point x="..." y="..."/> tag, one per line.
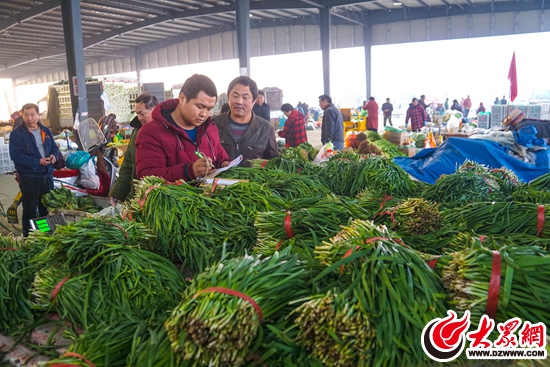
<point x="431" y="163"/>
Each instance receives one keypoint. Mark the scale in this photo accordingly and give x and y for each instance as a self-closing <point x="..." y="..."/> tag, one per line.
<point x="49" y="223"/>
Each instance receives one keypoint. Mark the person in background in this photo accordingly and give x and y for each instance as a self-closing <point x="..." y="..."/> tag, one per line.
<point x="124" y="186"/>
<point x="372" y="117"/>
<point x="481" y="108"/>
<point x="225" y="108"/>
<point x="439" y="110"/>
<point x="364" y="106"/>
<point x="466" y="105"/>
<point x="422" y="102"/>
<point x="388" y="109"/>
<point x="261" y="108"/>
<point x="446" y="104"/>
<point x="332" y="129"/>
<point x="503" y="101"/>
<point x="181" y="142"/>
<point x="34" y="151"/>
<point x="496" y="102"/>
<point x="242" y="132"/>
<point x="456" y="106"/>
<point x="416" y="114"/>
<point x="108" y="123"/>
<point x="16" y="119"/>
<point x="294" y="130"/>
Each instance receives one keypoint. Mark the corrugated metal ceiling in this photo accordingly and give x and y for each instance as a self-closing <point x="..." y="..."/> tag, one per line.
<point x="32" y="41"/>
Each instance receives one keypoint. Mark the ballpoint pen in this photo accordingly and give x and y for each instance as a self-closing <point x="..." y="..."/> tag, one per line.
<point x="199" y="154"/>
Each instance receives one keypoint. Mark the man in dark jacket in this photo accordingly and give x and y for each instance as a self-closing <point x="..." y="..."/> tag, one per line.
<point x="124" y="186"/>
<point x="332" y="129"/>
<point x="242" y="132"/>
<point x="388" y="109"/>
<point x="422" y="102"/>
<point x="294" y="131"/>
<point x="34" y="151"/>
<point x="261" y="108"/>
<point x="182" y="142"/>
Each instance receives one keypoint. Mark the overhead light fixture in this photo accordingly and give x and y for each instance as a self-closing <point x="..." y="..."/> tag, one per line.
<point x="397" y="3"/>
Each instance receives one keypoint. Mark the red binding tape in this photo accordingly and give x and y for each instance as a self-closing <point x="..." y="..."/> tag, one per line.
<point x="119" y="227"/>
<point x="279" y="245"/>
<point x="288" y="225"/>
<point x="142" y="202"/>
<point x="494" y="286"/>
<point x="349" y="252"/>
<point x="540" y="221"/>
<point x="234" y="293"/>
<point x="214" y="184"/>
<point x="57" y="288"/>
<point x="482" y="238"/>
<point x="433" y="263"/>
<point x="8" y="249"/>
<point x="386" y="199"/>
<point x="263" y="163"/>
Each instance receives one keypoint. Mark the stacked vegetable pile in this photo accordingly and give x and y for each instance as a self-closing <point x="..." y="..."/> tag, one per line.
<point x="292" y="160"/>
<point x="63" y="198"/>
<point x="16" y="276"/>
<point x="223" y="309"/>
<point x="95" y="271"/>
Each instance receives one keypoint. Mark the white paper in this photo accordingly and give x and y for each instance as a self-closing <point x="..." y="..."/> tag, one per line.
<point x="234" y="163"/>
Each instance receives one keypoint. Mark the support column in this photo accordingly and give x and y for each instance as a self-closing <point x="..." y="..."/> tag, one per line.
<point x="138" y="70"/>
<point x="243" y="35"/>
<point x="15" y="105"/>
<point x="367" y="37"/>
<point x="72" y="29"/>
<point x="325" y="46"/>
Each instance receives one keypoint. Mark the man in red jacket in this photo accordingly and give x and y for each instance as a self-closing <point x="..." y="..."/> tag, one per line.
<point x="182" y="142"/>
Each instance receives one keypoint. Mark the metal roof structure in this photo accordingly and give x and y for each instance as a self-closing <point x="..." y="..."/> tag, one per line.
<point x="32" y="38"/>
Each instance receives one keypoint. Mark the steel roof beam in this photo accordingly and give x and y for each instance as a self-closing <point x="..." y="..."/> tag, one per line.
<point x="29" y="14"/>
<point x="423" y="3"/>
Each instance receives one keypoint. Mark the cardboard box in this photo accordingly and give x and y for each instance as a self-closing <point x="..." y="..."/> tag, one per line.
<point x="396" y="138"/>
<point x="410" y="152"/>
<point x="346" y="114"/>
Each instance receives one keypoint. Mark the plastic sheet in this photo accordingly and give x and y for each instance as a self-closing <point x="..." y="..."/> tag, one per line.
<point x="429" y="164"/>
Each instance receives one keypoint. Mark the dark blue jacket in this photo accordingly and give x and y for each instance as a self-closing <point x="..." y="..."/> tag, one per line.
<point x="24" y="152"/>
<point x="333" y="125"/>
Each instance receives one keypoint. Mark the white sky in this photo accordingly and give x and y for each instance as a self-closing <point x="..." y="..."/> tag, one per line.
<point x="439" y="69"/>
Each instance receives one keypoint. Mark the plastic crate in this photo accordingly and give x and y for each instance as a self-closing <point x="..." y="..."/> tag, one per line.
<point x="5" y="155"/>
<point x="4" y="148"/>
<point x="484" y="121"/>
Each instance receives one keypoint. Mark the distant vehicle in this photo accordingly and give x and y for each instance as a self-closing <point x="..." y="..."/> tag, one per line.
<point x="540" y="96"/>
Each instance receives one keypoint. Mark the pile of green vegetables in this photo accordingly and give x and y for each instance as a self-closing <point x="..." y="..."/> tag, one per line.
<point x="63" y="198"/>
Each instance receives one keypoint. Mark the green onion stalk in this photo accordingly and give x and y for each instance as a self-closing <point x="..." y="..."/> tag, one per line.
<point x="213" y="328"/>
<point x="412" y="217"/>
<point x="500" y="218"/>
<point x="151" y="348"/>
<point x="104" y="345"/>
<point x="334" y="329"/>
<point x="375" y="203"/>
<point x="291" y="160"/>
<point x="76" y="244"/>
<point x="527" y="194"/>
<point x="305" y="228"/>
<point x="339" y="173"/>
<point x="541" y="183"/>
<point x="393" y="285"/>
<point x="128" y="284"/>
<point x="388" y="149"/>
<point x="523" y="290"/>
<point x="16" y="276"/>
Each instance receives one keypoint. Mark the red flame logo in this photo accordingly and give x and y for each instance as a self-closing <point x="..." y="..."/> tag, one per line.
<point x="447" y="333"/>
<point x="443" y="339"/>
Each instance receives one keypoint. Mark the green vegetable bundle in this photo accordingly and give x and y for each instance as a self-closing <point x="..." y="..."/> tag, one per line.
<point x="127" y="284"/>
<point x="373" y="202"/>
<point x="221" y="314"/>
<point x="501" y="218"/>
<point x="63" y="198"/>
<point x="307" y="226"/>
<point x="393" y="285"/>
<point x="151" y="348"/>
<point x="16" y="276"/>
<point x="339" y="173"/>
<point x="104" y="345"/>
<point x="335" y="330"/>
<point x="523" y="290"/>
<point x="77" y="244"/>
<point x="291" y="160"/>
<point x="541" y="182"/>
<point x="383" y="176"/>
<point x="462" y="188"/>
<point x="189" y="225"/>
<point x="527" y="194"/>
<point x="412" y="217"/>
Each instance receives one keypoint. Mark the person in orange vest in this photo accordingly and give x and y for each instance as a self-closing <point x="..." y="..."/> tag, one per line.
<point x="372" y="118"/>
